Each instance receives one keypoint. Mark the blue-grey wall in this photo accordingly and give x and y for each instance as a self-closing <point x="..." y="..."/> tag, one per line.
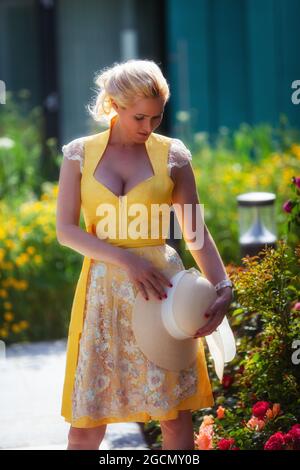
<point x="233" y="61"/>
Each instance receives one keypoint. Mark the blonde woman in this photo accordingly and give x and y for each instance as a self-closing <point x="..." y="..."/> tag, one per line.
<point x="107" y="378"/>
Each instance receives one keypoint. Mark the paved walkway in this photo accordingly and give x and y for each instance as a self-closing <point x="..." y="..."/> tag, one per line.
<point x="31" y="381"/>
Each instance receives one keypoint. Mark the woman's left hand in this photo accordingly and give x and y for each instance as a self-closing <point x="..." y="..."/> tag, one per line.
<point x="216" y="312"/>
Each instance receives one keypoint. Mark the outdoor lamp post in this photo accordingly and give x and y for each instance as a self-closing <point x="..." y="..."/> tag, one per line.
<point x="257" y="228"/>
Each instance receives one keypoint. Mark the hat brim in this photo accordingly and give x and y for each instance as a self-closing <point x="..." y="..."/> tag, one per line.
<point x="155" y="342"/>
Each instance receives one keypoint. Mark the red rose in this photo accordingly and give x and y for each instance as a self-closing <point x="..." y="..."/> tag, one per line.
<point x="293" y="437"/>
<point x="225" y="444"/>
<point x="295" y="426"/>
<point x="260" y="408"/>
<point x="275" y="442"/>
<point x="227" y="380"/>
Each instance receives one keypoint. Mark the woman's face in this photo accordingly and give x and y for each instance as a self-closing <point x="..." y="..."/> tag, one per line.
<point x="143" y="117"/>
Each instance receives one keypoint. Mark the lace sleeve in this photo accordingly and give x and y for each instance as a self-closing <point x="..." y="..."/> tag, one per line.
<point x="179" y="155"/>
<point x="74" y="151"/>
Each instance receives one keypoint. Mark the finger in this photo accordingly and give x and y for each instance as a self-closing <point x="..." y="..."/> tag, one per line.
<point x="156" y="282"/>
<point x="152" y="288"/>
<point x="143" y="290"/>
<point x="213" y="310"/>
<point x="163" y="278"/>
<point x="211" y="325"/>
<point x="207" y="330"/>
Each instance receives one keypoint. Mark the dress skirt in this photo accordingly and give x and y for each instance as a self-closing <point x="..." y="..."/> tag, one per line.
<point x="114" y="380"/>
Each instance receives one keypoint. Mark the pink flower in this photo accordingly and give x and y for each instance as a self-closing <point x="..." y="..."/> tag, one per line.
<point x="226" y="444"/>
<point x="296" y="306"/>
<point x="296" y="181"/>
<point x="256" y="423"/>
<point x="275" y="442"/>
<point x="287" y="206"/>
<point x="260" y="408"/>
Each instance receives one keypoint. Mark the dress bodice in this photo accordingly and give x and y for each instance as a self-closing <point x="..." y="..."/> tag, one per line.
<point x="141" y="216"/>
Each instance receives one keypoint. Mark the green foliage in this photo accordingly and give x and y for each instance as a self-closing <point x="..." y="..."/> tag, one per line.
<point x="23" y="150"/>
<point x="266" y="322"/>
<point x="38" y="276"/>
<point x="267" y="289"/>
<point x="250" y="158"/>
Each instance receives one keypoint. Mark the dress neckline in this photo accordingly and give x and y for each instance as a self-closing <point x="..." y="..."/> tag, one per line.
<point x="149" y="154"/>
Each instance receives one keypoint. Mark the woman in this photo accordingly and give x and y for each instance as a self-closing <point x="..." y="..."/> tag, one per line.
<point x="108" y="379"/>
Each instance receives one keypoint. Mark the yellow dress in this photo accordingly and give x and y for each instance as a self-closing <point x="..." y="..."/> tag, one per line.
<point x="107" y="377"/>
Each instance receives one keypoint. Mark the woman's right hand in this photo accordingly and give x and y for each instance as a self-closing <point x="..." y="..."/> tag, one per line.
<point x="145" y="276"/>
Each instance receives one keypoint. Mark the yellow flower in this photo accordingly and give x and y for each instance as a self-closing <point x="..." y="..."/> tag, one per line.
<point x="31" y="250"/>
<point x="7" y="305"/>
<point x="37" y="259"/>
<point x="3" y="293"/>
<point x="8" y="316"/>
<point x="16" y="328"/>
<point x="295" y="149"/>
<point x="7" y="266"/>
<point x="22" y="259"/>
<point x="2" y="254"/>
<point x="22" y="232"/>
<point x="10" y="243"/>
<point x="287" y="175"/>
<point x="22" y="285"/>
<point x="24" y="324"/>
<point x="3" y="333"/>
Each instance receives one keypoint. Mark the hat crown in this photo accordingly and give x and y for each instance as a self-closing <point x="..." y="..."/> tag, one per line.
<point x="192" y="297"/>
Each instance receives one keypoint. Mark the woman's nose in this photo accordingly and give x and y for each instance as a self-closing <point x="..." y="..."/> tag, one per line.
<point x="148" y="128"/>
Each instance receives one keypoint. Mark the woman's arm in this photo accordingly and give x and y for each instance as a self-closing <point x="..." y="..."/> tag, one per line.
<point x="207" y="256"/>
<point x="68" y="231"/>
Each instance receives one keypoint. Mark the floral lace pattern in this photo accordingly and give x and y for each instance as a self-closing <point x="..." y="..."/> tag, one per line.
<point x="114" y="378"/>
<point x="179" y="154"/>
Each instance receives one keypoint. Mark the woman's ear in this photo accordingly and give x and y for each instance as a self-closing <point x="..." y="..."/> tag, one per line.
<point x="114" y="105"/>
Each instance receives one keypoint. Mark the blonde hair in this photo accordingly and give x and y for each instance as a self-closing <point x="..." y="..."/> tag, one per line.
<point x="125" y="82"/>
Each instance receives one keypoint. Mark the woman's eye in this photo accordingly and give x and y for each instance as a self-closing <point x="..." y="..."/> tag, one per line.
<point x="139" y="119"/>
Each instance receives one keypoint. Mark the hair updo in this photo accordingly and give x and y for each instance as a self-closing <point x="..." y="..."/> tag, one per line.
<point x="125" y="82"/>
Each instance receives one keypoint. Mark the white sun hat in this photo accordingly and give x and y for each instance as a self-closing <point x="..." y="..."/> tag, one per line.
<point x="164" y="329"/>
